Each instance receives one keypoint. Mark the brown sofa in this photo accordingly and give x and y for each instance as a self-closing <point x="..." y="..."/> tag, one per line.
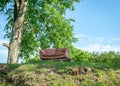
<point x="50" y="54"/>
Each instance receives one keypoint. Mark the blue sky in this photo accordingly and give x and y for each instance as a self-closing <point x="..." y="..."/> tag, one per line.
<point x="97" y="26"/>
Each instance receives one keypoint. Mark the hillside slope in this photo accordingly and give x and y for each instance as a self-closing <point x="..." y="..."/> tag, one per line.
<point x="60" y="73"/>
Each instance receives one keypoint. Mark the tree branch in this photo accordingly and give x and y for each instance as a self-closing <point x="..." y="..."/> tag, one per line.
<point x="5" y="45"/>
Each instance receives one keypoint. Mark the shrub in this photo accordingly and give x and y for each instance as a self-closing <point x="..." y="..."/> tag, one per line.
<point x="80" y="55"/>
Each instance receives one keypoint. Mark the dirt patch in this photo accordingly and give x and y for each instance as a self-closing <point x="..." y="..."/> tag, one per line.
<point x="80" y="70"/>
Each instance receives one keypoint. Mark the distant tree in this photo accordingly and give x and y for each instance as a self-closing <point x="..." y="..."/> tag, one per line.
<point x="36" y="23"/>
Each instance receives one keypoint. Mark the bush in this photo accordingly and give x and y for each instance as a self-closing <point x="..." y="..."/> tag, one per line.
<point x="95" y="57"/>
<point x="30" y="60"/>
<point x="80" y="55"/>
<point x="110" y="57"/>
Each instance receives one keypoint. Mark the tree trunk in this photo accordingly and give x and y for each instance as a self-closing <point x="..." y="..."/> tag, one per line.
<point x="14" y="45"/>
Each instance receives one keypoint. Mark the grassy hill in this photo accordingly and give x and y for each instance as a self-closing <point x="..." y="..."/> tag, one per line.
<point x="60" y="73"/>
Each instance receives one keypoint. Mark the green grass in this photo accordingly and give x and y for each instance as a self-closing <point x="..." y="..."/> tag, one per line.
<point x="57" y="73"/>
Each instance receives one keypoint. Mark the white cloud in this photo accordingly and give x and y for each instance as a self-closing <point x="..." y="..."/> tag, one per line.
<point x="89" y="39"/>
<point x="98" y="44"/>
<point x="116" y="39"/>
<point x="100" y="48"/>
<point x="109" y="41"/>
<point x="84" y="38"/>
<point x="80" y="35"/>
<point x="100" y="39"/>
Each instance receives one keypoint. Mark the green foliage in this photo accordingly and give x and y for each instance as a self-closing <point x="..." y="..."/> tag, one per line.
<point x="34" y="59"/>
<point x="110" y="58"/>
<point x="80" y="55"/>
<point x="104" y="56"/>
<point x="4" y="4"/>
<point x="45" y="25"/>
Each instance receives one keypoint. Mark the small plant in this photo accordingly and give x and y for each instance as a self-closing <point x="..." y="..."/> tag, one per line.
<point x="80" y="55"/>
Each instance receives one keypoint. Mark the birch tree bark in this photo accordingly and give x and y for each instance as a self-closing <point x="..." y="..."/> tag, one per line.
<point x="14" y="45"/>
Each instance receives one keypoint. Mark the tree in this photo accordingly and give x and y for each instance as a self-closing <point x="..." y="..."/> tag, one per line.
<point x="36" y="23"/>
<point x="19" y="13"/>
